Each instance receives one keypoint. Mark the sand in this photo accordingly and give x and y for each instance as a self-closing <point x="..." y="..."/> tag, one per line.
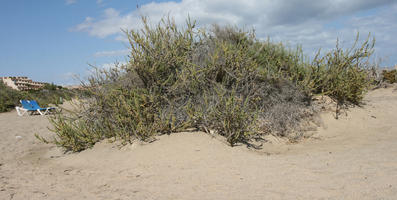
<point x="354" y="157"/>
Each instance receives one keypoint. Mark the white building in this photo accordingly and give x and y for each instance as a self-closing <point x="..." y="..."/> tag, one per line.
<point x="21" y="83"/>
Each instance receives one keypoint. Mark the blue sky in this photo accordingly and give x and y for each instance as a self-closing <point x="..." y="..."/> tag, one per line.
<point x="49" y="40"/>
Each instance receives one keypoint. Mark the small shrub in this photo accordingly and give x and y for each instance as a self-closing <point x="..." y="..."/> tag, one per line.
<point x="390" y="76"/>
<point x="9" y="98"/>
<point x="343" y="75"/>
<point x="232" y="118"/>
<point x="50" y="86"/>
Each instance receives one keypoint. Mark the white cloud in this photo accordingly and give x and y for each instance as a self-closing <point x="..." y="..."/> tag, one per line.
<point x="306" y="22"/>
<point x="112" y="53"/>
<point x="69" y="78"/>
<point x="69" y="2"/>
<point x="102" y="3"/>
<point x="108" y="66"/>
<point x="104" y="67"/>
<point x="111" y="23"/>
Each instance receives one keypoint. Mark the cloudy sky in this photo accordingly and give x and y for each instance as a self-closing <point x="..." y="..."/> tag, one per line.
<point x="50" y="40"/>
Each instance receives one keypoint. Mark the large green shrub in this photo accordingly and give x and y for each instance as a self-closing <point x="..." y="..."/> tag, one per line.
<point x="220" y="80"/>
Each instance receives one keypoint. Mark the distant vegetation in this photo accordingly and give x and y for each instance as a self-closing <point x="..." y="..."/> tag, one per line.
<point x="50" y="94"/>
<point x="8" y="97"/>
<point x="389" y="76"/>
<point x="221" y="80"/>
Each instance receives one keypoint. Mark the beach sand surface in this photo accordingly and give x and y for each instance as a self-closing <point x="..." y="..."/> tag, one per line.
<point x="354" y="157"/>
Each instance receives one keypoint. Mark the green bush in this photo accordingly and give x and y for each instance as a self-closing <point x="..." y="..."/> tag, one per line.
<point x="232" y="117"/>
<point x="390" y="76"/>
<point x="8" y="97"/>
<point x="343" y="75"/>
<point x="220" y="80"/>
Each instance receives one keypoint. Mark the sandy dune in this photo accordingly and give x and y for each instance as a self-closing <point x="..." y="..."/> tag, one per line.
<point x="354" y="157"/>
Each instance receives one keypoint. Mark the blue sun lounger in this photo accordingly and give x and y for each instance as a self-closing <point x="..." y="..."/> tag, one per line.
<point x="32" y="106"/>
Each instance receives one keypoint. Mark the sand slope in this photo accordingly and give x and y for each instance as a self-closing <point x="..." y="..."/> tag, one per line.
<point x="354" y="157"/>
